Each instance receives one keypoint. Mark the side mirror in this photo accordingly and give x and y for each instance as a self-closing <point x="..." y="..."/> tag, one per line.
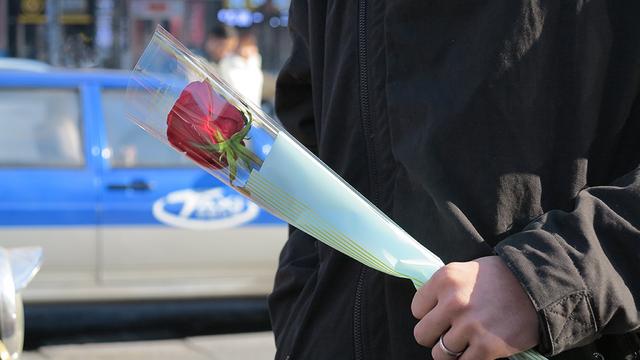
<point x="17" y="268"/>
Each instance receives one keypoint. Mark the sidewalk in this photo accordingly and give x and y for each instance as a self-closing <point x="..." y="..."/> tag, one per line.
<point x="254" y="346"/>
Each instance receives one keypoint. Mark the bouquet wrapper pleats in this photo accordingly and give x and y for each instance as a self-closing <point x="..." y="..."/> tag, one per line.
<point x="176" y="97"/>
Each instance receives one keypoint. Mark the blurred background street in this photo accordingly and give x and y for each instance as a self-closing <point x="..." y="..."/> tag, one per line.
<point x="251" y="346"/>
<point x="145" y="255"/>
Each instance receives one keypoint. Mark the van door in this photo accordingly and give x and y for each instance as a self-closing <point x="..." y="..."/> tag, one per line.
<point x="169" y="229"/>
<point x="48" y="191"/>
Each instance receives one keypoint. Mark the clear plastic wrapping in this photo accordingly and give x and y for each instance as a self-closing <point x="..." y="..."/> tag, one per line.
<point x="17" y="268"/>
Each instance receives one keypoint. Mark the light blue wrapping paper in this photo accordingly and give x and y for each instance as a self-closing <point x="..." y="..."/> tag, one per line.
<point x="337" y="215"/>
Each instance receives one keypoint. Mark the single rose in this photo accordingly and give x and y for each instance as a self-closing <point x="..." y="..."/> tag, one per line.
<point x="208" y="129"/>
<point x="201" y="117"/>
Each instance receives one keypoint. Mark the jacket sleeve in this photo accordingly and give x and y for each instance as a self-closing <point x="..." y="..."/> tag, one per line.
<point x="581" y="268"/>
<point x="299" y="259"/>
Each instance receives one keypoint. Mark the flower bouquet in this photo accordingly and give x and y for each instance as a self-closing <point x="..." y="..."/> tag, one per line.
<point x="176" y="97"/>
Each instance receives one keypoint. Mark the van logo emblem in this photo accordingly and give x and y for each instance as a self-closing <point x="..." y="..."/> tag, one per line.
<point x="217" y="208"/>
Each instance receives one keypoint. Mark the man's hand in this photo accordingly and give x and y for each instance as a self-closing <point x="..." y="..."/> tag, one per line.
<point x="479" y="307"/>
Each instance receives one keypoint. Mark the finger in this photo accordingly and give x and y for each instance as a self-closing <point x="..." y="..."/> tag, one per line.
<point x="455" y="340"/>
<point x="438" y="354"/>
<point x="424" y="300"/>
<point x="428" y="330"/>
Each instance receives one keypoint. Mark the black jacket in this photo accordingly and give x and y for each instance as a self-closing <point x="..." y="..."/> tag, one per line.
<point x="480" y="126"/>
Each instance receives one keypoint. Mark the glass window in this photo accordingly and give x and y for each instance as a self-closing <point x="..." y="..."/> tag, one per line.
<point x="129" y="145"/>
<point x="40" y="127"/>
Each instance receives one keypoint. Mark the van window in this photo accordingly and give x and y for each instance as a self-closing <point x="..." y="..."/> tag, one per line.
<point x="129" y="145"/>
<point x="40" y="128"/>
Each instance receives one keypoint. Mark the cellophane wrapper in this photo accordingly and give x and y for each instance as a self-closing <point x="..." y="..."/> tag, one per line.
<point x="178" y="98"/>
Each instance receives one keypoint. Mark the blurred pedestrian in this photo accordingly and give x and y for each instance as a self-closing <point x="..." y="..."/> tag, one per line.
<point x="243" y="68"/>
<point x="221" y="41"/>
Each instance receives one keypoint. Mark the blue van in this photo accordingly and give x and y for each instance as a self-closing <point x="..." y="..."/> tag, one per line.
<point x="119" y="214"/>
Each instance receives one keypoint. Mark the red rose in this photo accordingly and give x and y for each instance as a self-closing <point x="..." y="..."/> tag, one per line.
<point x="199" y="120"/>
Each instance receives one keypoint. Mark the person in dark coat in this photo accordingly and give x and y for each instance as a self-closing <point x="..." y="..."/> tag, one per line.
<point x="502" y="135"/>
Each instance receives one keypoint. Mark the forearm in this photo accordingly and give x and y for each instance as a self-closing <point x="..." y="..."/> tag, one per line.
<point x="580" y="268"/>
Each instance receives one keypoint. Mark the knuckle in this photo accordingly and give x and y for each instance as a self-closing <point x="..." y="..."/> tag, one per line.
<point x="417" y="334"/>
<point x="450" y="275"/>
<point x="414" y="309"/>
<point x="422" y="289"/>
<point x="415" y="313"/>
<point x="442" y="272"/>
<point x="419" y="297"/>
<point x="418" y="304"/>
<point x="457" y="303"/>
<point x="436" y="355"/>
<point x="447" y="272"/>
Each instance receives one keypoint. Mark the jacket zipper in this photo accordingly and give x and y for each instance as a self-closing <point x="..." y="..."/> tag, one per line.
<point x="366" y="126"/>
<point x="357" y="317"/>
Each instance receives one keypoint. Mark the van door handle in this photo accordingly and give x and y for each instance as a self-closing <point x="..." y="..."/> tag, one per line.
<point x="136" y="185"/>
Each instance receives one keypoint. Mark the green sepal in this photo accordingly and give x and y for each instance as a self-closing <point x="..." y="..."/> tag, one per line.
<point x="233" y="166"/>
<point x="210" y="146"/>
<point x="232" y="149"/>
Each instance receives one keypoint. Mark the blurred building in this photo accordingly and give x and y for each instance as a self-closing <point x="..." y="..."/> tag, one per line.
<point x="113" y="33"/>
<point x="4" y="26"/>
